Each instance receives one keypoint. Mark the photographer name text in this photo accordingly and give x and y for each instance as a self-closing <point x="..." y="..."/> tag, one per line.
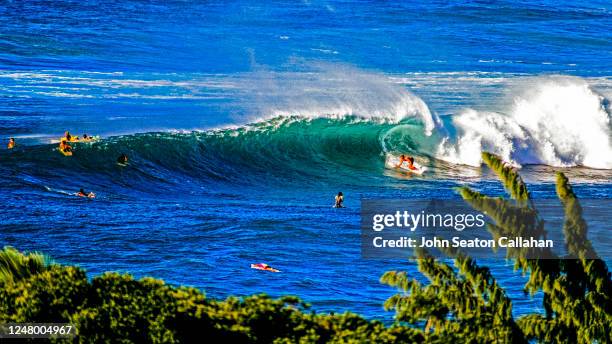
<point x="435" y="242"/>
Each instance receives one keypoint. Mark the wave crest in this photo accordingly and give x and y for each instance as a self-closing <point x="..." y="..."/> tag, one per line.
<point x="336" y="92"/>
<point x="557" y="121"/>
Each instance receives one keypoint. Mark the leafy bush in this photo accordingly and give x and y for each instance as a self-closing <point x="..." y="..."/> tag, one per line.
<point x="114" y="308"/>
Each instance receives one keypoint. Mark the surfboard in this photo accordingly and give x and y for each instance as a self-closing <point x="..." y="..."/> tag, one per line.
<point x="73" y="139"/>
<point x="264" y="267"/>
<point x="391" y="162"/>
<point x="69" y="153"/>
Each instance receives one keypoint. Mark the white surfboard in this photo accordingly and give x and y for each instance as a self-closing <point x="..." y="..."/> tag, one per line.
<point x="391" y="162"/>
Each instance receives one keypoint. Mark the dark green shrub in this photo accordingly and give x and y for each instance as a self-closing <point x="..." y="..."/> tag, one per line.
<point x="114" y="308"/>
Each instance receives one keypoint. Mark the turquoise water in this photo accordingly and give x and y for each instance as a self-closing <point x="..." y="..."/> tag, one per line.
<point x="243" y="120"/>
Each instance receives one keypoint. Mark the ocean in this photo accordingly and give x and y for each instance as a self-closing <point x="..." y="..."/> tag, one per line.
<point x="242" y="121"/>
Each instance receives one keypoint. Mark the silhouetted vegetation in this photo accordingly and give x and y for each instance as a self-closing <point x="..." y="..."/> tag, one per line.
<point x="114" y="308"/>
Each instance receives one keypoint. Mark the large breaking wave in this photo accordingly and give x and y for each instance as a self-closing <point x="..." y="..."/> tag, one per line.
<point x="555" y="121"/>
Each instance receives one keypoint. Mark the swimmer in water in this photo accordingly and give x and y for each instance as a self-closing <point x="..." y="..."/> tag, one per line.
<point x="339" y="200"/>
<point x="408" y="159"/>
<point x="11" y="143"/>
<point x="122" y="159"/>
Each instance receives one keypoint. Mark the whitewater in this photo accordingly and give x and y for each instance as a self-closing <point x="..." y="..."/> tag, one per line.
<point x="556" y="120"/>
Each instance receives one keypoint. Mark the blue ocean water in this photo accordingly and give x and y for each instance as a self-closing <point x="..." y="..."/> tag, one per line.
<point x="242" y="120"/>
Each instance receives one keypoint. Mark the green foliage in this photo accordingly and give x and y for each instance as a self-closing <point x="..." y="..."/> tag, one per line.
<point x="114" y="308"/>
<point x="510" y="178"/>
<point x="466" y="303"/>
<point x="15" y="266"/>
<point x="50" y="294"/>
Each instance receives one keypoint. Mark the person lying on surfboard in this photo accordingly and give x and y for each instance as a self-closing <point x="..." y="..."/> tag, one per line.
<point x="264" y="267"/>
<point x="408" y="159"/>
<point x="83" y="193"/>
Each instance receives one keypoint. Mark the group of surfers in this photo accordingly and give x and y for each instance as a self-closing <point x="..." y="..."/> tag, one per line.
<point x="63" y="145"/>
<point x="65" y="148"/>
<point x="123" y="159"/>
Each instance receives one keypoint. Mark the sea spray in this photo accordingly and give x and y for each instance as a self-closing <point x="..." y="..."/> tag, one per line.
<point x="334" y="91"/>
<point x="557" y="121"/>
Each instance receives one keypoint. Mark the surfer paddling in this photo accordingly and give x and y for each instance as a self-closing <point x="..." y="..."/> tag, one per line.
<point x="83" y="193"/>
<point x="65" y="148"/>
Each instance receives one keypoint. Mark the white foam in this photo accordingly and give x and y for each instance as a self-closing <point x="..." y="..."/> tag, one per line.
<point x="557" y="121"/>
